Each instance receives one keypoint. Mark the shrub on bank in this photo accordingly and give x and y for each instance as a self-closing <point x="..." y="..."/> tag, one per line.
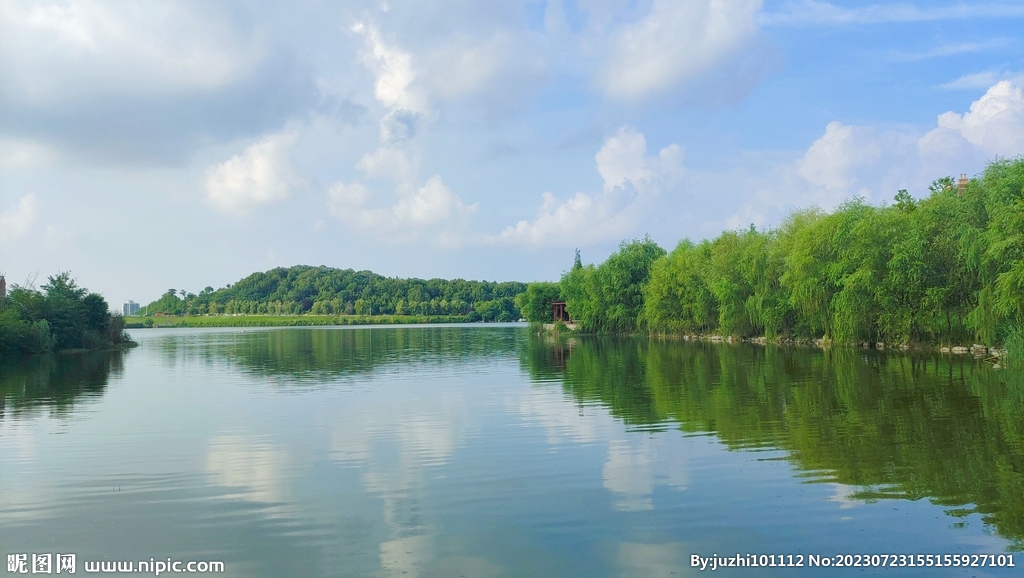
<point x="61" y="315"/>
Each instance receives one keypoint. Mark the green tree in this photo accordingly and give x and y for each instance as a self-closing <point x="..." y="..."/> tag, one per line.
<point x="609" y="298"/>
<point x="535" y="302"/>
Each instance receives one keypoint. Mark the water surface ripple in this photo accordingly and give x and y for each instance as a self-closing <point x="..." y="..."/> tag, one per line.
<point x="487" y="451"/>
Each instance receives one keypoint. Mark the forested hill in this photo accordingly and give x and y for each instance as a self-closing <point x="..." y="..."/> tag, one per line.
<point x="327" y="291"/>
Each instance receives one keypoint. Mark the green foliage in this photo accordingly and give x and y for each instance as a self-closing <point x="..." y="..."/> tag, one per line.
<point x="535" y="302"/>
<point x="503" y="309"/>
<point x="60" y="316"/>
<point x="327" y="291"/>
<point x="56" y="382"/>
<point x="308" y="320"/>
<point x="730" y="285"/>
<point x="842" y="415"/>
<point x="609" y="297"/>
<point x="168" y="304"/>
<point x="948" y="268"/>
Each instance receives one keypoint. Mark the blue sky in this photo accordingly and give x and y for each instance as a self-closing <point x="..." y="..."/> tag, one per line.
<point x="150" y="145"/>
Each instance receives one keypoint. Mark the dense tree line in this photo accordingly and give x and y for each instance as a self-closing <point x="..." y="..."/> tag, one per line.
<point x="328" y="291"/>
<point x="948" y="268"/>
<point x="61" y="315"/>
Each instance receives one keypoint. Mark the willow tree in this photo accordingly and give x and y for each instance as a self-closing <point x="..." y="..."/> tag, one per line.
<point x="609" y="297"/>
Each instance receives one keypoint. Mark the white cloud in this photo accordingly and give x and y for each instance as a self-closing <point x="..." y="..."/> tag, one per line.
<point x="622" y="161"/>
<point x="810" y="12"/>
<point x="394" y="72"/>
<point x="875" y="162"/>
<point x="498" y="68"/>
<point x="833" y="159"/>
<point x="17" y="220"/>
<point x="465" y="68"/>
<point x="260" y="175"/>
<point x="631" y="178"/>
<point x="390" y="162"/>
<point x="952" y="49"/>
<point x="994" y="124"/>
<point x="679" y="43"/>
<point x="867" y="160"/>
<point x="52" y="51"/>
<point x="982" y="80"/>
<point x="418" y="206"/>
<point x="431" y="204"/>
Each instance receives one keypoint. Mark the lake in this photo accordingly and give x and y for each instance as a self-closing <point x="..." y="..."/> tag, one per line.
<point x="477" y="451"/>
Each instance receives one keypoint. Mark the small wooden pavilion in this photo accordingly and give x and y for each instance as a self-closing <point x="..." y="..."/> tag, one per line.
<point x="559" y="313"/>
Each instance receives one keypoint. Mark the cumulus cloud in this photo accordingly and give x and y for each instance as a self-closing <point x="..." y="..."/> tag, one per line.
<point x="867" y="160"/>
<point x="418" y="206"/>
<point x="834" y="159"/>
<point x="17" y="220"/>
<point x="431" y="204"/>
<point x="874" y="162"/>
<point x="390" y="162"/>
<point x="994" y="124"/>
<point x="631" y="179"/>
<point x="683" y="43"/>
<point x="428" y="55"/>
<point x="393" y="71"/>
<point x="260" y="175"/>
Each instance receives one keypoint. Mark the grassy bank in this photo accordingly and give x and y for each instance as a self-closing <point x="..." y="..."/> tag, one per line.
<point x="286" y="320"/>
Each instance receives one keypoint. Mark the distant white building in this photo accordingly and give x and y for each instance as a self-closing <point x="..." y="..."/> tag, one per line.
<point x="130" y="308"/>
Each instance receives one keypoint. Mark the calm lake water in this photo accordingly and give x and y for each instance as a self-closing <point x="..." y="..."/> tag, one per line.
<point x="485" y="451"/>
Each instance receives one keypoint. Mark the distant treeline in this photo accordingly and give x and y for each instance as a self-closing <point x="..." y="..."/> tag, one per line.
<point x="945" y="269"/>
<point x="327" y="291"/>
<point x="306" y="320"/>
<point x="61" y="315"/>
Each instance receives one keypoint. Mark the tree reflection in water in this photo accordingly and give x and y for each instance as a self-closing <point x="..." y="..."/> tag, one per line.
<point x="894" y="426"/>
<point x="56" y="381"/>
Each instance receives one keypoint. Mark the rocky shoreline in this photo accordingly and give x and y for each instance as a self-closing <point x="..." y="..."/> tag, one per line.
<point x="991" y="354"/>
